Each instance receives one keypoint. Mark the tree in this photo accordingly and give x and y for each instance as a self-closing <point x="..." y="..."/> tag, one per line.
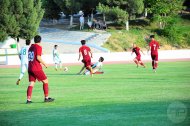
<point x="103" y="9"/>
<point x="163" y="10"/>
<point x="52" y="10"/>
<point x="31" y="18"/>
<point x="115" y="14"/>
<point x="133" y="7"/>
<point x="20" y="18"/>
<point x="69" y="7"/>
<point x="8" y="18"/>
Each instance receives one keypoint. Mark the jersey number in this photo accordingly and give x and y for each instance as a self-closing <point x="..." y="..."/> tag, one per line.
<point x="154" y="46"/>
<point x="24" y="52"/>
<point x="85" y="52"/>
<point x="30" y="56"/>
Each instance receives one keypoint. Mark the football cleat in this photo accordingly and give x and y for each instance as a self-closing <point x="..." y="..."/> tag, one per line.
<point x="18" y="82"/>
<point x="49" y="99"/>
<point x="28" y="102"/>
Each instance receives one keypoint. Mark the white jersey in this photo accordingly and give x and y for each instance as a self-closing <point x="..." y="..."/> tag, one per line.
<point x="97" y="65"/>
<point x="56" y="58"/>
<point x="24" y="55"/>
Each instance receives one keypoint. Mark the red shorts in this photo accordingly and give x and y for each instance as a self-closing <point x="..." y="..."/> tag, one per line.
<point x="154" y="57"/>
<point x="138" y="57"/>
<point x="87" y="62"/>
<point x="39" y="75"/>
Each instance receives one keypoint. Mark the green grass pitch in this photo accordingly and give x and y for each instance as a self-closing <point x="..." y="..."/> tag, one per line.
<point x="123" y="96"/>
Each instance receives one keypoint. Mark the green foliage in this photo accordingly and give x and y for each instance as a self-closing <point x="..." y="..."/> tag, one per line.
<point x="114" y="13"/>
<point x="176" y="32"/>
<point x="135" y="7"/>
<point x="69" y="6"/>
<point x="163" y="10"/>
<point x="52" y="10"/>
<point x="3" y="35"/>
<point x="20" y="18"/>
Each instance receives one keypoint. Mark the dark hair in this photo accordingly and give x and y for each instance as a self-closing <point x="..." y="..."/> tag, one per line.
<point x="27" y="42"/>
<point x="101" y="59"/>
<point x="37" y="39"/>
<point x="55" y="46"/>
<point x="151" y="36"/>
<point x="83" y="42"/>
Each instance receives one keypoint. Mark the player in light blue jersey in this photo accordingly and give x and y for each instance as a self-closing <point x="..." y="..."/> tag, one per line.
<point x="23" y="55"/>
<point x="56" y="58"/>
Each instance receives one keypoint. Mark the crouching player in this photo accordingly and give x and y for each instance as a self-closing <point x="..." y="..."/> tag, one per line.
<point x="97" y="67"/>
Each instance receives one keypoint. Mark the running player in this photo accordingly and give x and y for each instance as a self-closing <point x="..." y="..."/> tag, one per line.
<point x="56" y="58"/>
<point x="23" y="56"/>
<point x="87" y="55"/>
<point x="153" y="47"/>
<point x="137" y="59"/>
<point x="35" y="70"/>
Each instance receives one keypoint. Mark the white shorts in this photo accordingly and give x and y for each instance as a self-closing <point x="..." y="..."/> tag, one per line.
<point x="57" y="60"/>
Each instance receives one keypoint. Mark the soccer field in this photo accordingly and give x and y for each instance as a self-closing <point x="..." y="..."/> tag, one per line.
<point x="123" y="96"/>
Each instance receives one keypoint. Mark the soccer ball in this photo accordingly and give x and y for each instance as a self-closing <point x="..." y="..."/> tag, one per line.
<point x="66" y="69"/>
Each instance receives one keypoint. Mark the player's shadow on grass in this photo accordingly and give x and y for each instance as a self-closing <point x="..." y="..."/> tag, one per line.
<point x="112" y="114"/>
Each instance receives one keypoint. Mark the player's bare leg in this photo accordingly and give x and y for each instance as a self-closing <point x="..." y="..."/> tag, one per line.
<point x="81" y="70"/>
<point x="156" y="64"/>
<point x="46" y="91"/>
<point x="60" y="66"/>
<point x="136" y="62"/>
<point x="142" y="64"/>
<point x="56" y="66"/>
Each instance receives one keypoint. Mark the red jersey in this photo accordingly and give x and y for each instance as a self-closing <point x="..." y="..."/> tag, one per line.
<point x="34" y="64"/>
<point x="85" y="52"/>
<point x="154" y="47"/>
<point x="136" y="50"/>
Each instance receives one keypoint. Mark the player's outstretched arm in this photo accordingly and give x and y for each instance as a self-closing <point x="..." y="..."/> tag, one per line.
<point x="41" y="61"/>
<point x="91" y="54"/>
<point x="79" y="56"/>
<point x="142" y="52"/>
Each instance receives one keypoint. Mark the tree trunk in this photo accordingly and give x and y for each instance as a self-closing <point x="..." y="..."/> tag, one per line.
<point x="71" y="20"/>
<point x="92" y="16"/>
<point x="104" y="18"/>
<point x="127" y="25"/>
<point x="146" y="13"/>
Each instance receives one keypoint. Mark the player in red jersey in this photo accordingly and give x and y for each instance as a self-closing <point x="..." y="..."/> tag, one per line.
<point x="35" y="70"/>
<point x="87" y="55"/>
<point x="137" y="59"/>
<point x="153" y="47"/>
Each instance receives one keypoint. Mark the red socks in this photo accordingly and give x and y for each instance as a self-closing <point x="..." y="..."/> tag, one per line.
<point x="29" y="92"/>
<point x="97" y="72"/>
<point x="46" y="89"/>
